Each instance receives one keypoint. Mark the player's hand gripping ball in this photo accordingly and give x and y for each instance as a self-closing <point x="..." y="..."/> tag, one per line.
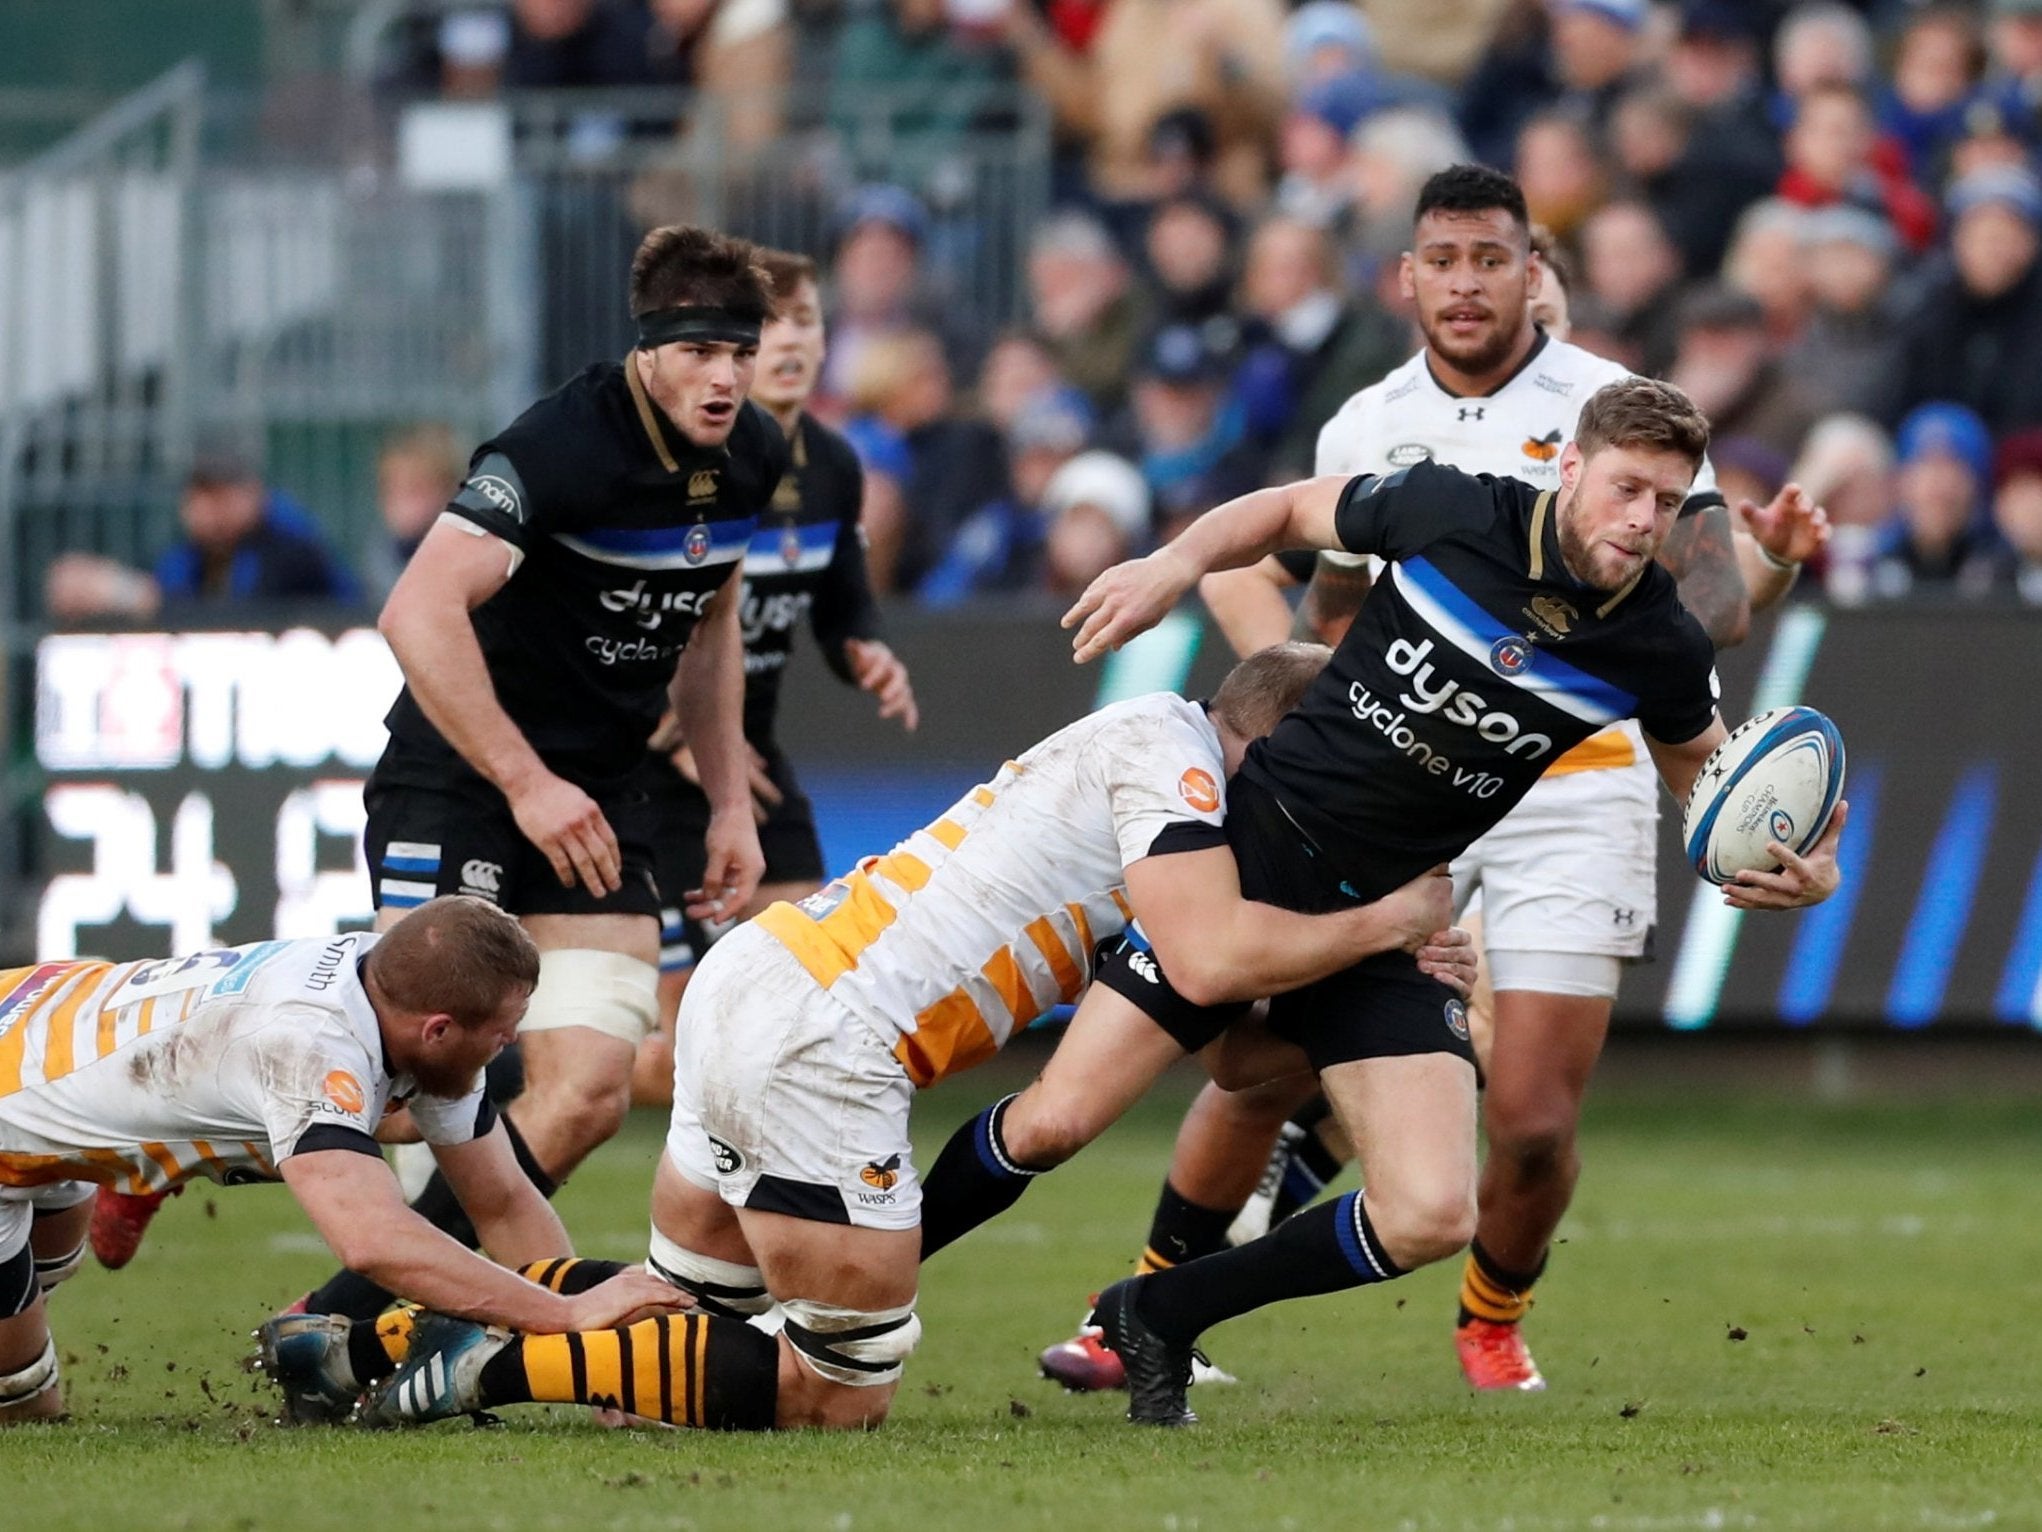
<point x="1776" y="778"/>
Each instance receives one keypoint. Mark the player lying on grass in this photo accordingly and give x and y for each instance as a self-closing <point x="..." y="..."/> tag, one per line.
<point x="276" y="1062"/>
<point x="787" y="1175"/>
<point x="1512" y="625"/>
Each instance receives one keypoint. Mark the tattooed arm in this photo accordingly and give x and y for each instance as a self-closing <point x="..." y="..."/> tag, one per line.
<point x="1337" y="589"/>
<point x="1702" y="555"/>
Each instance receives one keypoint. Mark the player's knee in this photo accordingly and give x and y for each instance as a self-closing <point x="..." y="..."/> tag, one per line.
<point x="586" y="1113"/>
<point x="31" y="1392"/>
<point x="1424" y="1225"/>
<point x="1534" y="1143"/>
<point x="1041" y="1135"/>
<point x="855" y="1349"/>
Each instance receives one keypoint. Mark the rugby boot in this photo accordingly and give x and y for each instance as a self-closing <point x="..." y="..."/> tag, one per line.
<point x="1494" y="1356"/>
<point x="1158" y="1370"/>
<point x="1083" y="1365"/>
<point x="120" y="1219"/>
<point x="441" y="1375"/>
<point x="305" y="1356"/>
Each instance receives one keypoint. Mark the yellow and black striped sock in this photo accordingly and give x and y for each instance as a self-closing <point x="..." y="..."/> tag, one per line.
<point x="571" y="1274"/>
<point x="686" y="1369"/>
<point x="1489" y="1291"/>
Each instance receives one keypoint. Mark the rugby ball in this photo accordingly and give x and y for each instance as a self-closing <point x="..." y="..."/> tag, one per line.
<point x="1776" y="778"/>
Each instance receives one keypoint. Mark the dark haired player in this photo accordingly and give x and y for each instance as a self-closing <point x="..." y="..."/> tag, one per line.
<point x="805" y="566"/>
<point x="1456" y="687"/>
<point x="1566" y="884"/>
<point x="584" y="580"/>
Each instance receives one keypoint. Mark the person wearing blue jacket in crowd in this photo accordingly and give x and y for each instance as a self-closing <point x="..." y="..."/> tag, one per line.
<point x="241" y="542"/>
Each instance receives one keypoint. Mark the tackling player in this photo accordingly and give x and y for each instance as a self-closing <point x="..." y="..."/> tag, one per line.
<point x="788" y="1174"/>
<point x="1566" y="883"/>
<point x="276" y="1062"/>
<point x="805" y="564"/>
<point x="598" y="540"/>
<point x="1515" y="625"/>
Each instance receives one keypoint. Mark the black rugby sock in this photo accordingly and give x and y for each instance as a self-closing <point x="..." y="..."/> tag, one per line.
<point x="358" y="1298"/>
<point x="1183" y="1231"/>
<point x="1324" y="1249"/>
<point x="974" y="1179"/>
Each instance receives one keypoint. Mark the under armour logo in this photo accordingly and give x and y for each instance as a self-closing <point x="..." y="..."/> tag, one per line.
<point x="1624" y="918"/>
<point x="1472" y="411"/>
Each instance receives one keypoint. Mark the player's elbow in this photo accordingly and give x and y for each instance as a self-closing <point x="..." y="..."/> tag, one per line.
<point x="1198" y="973"/>
<point x="364" y="1251"/>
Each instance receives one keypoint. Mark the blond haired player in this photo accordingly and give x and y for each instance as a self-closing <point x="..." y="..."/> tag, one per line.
<point x="276" y="1062"/>
<point x="787" y="1175"/>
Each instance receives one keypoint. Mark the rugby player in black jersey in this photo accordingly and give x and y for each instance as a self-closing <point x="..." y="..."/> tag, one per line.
<point x="584" y="580"/>
<point x="1440" y="709"/>
<point x="805" y="565"/>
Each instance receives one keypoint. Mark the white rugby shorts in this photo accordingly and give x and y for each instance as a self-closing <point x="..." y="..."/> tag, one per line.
<point x="1570" y="871"/>
<point x="785" y="1100"/>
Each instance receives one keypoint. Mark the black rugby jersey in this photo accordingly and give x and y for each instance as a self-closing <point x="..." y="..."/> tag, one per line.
<point x="1475" y="663"/>
<point x="626" y="530"/>
<point x="805" y="563"/>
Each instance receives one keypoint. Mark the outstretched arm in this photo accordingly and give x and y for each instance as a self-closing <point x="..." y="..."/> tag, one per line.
<point x="1131" y="598"/>
<point x="1776" y="540"/>
<point x="357" y="1206"/>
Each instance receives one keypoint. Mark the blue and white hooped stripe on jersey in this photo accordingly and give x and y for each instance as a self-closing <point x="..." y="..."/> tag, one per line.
<point x="1451" y="613"/>
<point x="417" y="865"/>
<point x="792" y="550"/>
<point x="701" y="545"/>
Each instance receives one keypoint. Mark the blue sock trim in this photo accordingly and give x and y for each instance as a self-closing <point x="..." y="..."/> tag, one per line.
<point x="1358" y="1241"/>
<point x="992" y="1150"/>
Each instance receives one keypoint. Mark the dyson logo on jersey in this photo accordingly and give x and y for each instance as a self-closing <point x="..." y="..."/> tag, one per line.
<point x="1456" y="705"/>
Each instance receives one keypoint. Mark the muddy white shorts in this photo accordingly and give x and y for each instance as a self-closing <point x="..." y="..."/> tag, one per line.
<point x="785" y="1100"/>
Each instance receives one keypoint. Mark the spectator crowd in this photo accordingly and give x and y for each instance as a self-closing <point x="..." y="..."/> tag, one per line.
<point x="1823" y="220"/>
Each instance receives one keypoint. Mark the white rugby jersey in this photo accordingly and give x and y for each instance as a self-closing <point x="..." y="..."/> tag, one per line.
<point x="1515" y="430"/>
<point x="971" y="928"/>
<point x="221" y="1064"/>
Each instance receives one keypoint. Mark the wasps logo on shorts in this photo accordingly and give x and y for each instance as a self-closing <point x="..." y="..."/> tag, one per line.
<point x="881" y="1175"/>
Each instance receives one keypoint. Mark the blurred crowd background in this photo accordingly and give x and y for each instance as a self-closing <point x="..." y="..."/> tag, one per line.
<point x="1822" y="220"/>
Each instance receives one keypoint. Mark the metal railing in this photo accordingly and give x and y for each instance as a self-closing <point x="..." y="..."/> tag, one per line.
<point x="96" y="318"/>
<point x="181" y="265"/>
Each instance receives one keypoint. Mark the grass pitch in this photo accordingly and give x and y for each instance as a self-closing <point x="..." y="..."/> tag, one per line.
<point x="1762" y="1314"/>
